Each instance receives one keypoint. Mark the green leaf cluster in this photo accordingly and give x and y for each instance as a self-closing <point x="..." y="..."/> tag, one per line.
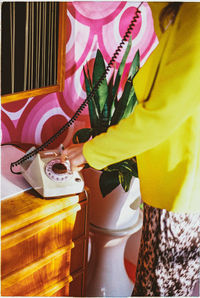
<point x="106" y="109"/>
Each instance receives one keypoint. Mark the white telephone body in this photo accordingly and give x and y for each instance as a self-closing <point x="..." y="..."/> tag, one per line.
<point x="49" y="177"/>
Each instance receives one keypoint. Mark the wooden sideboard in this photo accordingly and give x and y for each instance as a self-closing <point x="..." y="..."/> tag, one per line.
<point x="44" y="245"/>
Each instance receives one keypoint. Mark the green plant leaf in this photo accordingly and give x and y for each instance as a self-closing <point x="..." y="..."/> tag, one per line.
<point x="121" y="104"/>
<point x="132" y="101"/>
<point x="133" y="166"/>
<point x="88" y="75"/>
<point x="121" y="68"/>
<point x="125" y="180"/>
<point x="135" y="65"/>
<point x="125" y="169"/>
<point x="125" y="166"/>
<point x="108" y="181"/>
<point x="87" y="82"/>
<point x="111" y="99"/>
<point x="102" y="92"/>
<point x="107" y="109"/>
<point x="93" y="111"/>
<point x="82" y="135"/>
<point x="104" y="119"/>
<point x="94" y="116"/>
<point x="128" y="99"/>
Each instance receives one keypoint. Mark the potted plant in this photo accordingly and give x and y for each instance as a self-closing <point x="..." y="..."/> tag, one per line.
<point x="106" y="108"/>
<point x="112" y="205"/>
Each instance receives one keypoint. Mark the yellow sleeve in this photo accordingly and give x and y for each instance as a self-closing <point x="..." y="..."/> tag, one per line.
<point x="175" y="96"/>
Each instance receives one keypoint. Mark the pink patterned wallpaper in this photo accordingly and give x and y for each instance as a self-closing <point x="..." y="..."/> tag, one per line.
<point x="90" y="25"/>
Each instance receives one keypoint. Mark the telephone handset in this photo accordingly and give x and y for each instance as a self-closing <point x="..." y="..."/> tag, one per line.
<point x="48" y="175"/>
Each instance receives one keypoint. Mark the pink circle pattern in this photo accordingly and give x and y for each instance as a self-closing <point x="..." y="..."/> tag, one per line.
<point x="90" y="25"/>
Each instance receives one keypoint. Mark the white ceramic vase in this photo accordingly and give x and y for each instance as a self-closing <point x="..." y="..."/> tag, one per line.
<point x="117" y="210"/>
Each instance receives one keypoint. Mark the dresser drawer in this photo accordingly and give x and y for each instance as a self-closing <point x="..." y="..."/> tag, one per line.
<point x="38" y="275"/>
<point x="37" y="240"/>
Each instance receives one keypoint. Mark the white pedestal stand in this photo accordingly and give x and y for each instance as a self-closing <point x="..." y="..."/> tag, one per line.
<point x="106" y="272"/>
<point x="112" y="220"/>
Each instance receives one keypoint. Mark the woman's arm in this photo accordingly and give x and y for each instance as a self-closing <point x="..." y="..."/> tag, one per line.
<point x="174" y="98"/>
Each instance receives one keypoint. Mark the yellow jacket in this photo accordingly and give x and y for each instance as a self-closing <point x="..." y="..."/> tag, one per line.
<point x="164" y="129"/>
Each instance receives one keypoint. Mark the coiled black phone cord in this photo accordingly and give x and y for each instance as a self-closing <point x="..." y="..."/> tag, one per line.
<point x="86" y="101"/>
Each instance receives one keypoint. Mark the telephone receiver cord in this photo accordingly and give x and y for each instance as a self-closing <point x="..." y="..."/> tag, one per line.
<point x="88" y="98"/>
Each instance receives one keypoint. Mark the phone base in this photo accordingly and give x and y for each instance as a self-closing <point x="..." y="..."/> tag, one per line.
<point x="34" y="171"/>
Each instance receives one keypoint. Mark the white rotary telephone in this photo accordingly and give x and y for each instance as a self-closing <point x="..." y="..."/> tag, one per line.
<point x="49" y="177"/>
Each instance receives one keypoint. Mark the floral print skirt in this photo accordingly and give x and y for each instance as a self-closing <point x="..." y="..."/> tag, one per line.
<point x="169" y="256"/>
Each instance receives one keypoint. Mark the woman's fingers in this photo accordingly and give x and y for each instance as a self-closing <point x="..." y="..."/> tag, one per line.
<point x="74" y="154"/>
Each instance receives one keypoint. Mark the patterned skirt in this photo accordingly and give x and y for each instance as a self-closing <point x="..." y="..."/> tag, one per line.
<point x="169" y="256"/>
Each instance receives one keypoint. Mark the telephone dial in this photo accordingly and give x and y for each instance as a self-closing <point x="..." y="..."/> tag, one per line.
<point x="43" y="169"/>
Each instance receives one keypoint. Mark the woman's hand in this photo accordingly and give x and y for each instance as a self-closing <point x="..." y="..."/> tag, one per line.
<point x="74" y="153"/>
